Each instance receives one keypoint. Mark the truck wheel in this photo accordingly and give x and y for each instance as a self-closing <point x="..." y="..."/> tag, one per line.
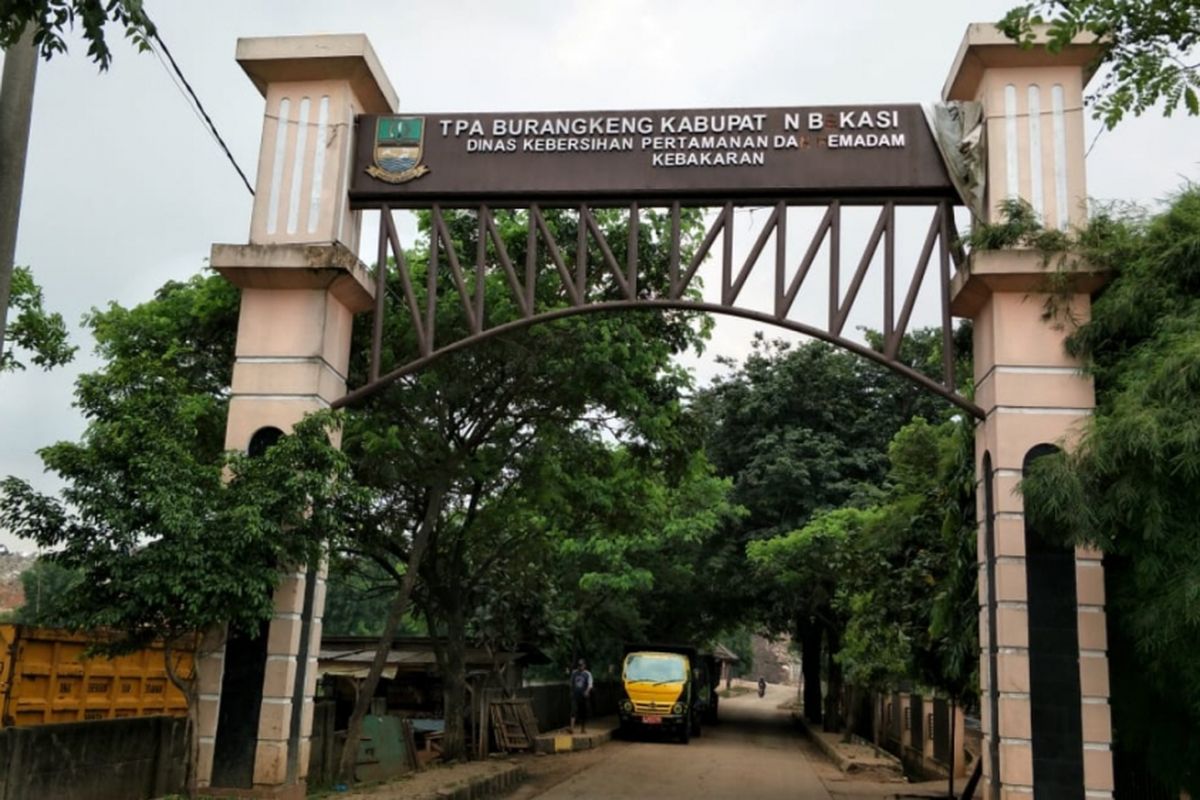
<point x="685" y="734"/>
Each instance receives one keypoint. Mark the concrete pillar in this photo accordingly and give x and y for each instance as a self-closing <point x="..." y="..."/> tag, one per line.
<point x="959" y="739"/>
<point x="929" y="712"/>
<point x="301" y="284"/>
<point x="1044" y="682"/>
<point x="905" y="710"/>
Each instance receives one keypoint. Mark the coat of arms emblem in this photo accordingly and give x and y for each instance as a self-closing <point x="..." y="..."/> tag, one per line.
<point x="398" y="145"/>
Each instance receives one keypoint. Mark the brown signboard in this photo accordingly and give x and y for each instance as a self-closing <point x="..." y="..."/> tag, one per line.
<point x="884" y="151"/>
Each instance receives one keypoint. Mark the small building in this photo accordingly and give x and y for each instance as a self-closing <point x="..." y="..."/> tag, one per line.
<point x="411" y="685"/>
<point x="410" y="688"/>
<point x="726" y="658"/>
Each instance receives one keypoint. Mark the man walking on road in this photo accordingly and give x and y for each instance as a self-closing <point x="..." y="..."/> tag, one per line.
<point x="581" y="694"/>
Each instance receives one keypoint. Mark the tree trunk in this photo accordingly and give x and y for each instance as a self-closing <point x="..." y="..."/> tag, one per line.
<point x="192" y="737"/>
<point x="810" y="664"/>
<point x="851" y="713"/>
<point x="833" y="696"/>
<point x="396" y="612"/>
<point x="454" y="683"/>
<point x="191" y="695"/>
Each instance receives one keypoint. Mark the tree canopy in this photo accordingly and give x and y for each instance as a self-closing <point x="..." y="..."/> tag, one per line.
<point x="51" y="18"/>
<point x="35" y="334"/>
<point x="482" y="457"/>
<point x="152" y="505"/>
<point x="1149" y="48"/>
<point x="803" y="432"/>
<point x="46" y="587"/>
<point x="1130" y="487"/>
<point x="892" y="582"/>
<point x="171" y="537"/>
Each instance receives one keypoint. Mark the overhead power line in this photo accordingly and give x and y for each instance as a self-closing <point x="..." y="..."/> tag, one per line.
<point x="198" y="107"/>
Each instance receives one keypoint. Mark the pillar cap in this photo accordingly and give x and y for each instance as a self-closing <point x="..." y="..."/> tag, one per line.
<point x="349" y="57"/>
<point x="985" y="47"/>
<point x="988" y="272"/>
<point x="331" y="267"/>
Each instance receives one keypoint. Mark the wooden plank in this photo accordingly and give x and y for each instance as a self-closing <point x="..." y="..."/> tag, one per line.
<point x="497" y="716"/>
<point x="528" y="719"/>
<point x="514" y="724"/>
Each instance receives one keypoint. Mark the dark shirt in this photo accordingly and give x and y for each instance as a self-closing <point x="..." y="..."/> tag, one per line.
<point x="581" y="682"/>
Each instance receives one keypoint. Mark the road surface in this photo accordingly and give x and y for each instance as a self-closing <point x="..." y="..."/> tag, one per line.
<point x="754" y="754"/>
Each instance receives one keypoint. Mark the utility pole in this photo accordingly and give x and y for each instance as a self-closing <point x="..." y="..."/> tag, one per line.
<point x="16" y="107"/>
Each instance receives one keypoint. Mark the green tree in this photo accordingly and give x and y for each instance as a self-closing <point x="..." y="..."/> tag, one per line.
<point x="952" y="663"/>
<point x="811" y="565"/>
<point x="50" y="18"/>
<point x="357" y="597"/>
<point x="170" y="536"/>
<point x="910" y="596"/>
<point x="631" y="558"/>
<point x="1149" y="48"/>
<point x="457" y="455"/>
<point x="891" y="586"/>
<point x="802" y="430"/>
<point x="805" y="428"/>
<point x="27" y="28"/>
<point x="41" y="334"/>
<point x="1130" y="487"/>
<point x="45" y="586"/>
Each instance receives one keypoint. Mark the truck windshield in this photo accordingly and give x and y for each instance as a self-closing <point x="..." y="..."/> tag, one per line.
<point x="655" y="668"/>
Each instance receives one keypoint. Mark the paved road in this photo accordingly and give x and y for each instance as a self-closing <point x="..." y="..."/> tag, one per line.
<point x="754" y="754"/>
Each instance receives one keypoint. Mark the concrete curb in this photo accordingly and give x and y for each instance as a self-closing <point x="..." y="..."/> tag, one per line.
<point x="484" y="786"/>
<point x="831" y="752"/>
<point x="550" y="743"/>
<point x="845" y="764"/>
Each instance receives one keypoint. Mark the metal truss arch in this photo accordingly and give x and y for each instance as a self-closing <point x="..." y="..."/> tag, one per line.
<point x="573" y="275"/>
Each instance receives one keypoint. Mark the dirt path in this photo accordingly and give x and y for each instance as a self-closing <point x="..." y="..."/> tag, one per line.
<point x="754" y="753"/>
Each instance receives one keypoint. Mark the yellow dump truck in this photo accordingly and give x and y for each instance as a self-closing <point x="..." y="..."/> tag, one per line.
<point x="659" y="688"/>
<point x="45" y="678"/>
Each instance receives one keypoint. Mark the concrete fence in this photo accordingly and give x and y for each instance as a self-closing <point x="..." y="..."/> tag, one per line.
<point x="552" y="702"/>
<point x="114" y="759"/>
<point x="926" y="733"/>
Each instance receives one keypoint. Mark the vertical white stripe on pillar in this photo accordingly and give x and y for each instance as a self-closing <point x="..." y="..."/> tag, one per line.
<point x="314" y="203"/>
<point x="1010" y="140"/>
<point x="285" y="106"/>
<point x="340" y="208"/>
<point x="1060" y="156"/>
<point x="1037" y="197"/>
<point x="293" y="220"/>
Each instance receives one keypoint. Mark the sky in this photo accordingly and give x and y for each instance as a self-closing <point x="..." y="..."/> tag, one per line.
<point x="125" y="189"/>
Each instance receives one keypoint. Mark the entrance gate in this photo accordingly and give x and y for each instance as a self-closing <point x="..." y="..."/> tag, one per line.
<point x="1043" y="660"/>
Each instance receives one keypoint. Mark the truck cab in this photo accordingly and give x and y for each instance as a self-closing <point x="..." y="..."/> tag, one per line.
<point x="659" y="690"/>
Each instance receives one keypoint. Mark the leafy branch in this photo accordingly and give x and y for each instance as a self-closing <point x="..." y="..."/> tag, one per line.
<point x="50" y="18"/>
<point x="42" y="334"/>
<point x="1149" y="47"/>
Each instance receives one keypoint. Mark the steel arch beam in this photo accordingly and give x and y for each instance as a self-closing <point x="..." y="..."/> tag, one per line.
<point x="362" y="393"/>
